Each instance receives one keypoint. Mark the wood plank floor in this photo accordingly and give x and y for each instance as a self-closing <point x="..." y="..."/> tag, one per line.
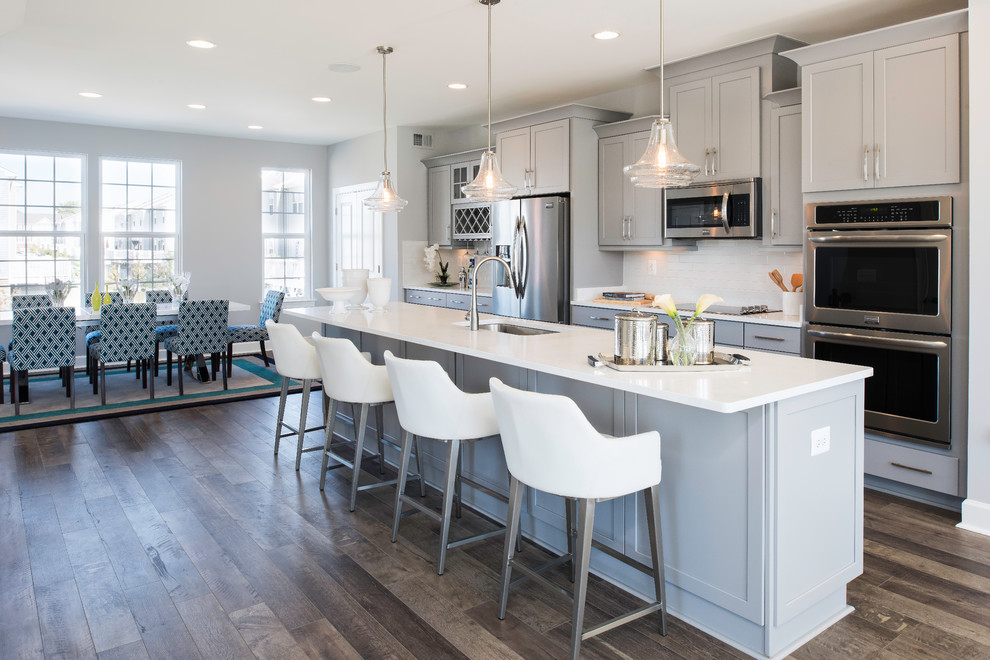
<point x="179" y="535"/>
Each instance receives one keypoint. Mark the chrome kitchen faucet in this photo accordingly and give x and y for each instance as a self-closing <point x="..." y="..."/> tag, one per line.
<point x="473" y="313"/>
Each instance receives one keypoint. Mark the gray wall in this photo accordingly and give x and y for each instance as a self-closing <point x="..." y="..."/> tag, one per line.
<point x="221" y="197"/>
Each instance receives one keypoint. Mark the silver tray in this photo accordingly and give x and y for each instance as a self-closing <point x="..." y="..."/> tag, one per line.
<point x="721" y="364"/>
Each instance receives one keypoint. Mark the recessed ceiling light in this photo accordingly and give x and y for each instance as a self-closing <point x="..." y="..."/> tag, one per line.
<point x="344" y="68"/>
<point x="322" y="99"/>
<point x="196" y="106"/>
<point x="90" y="95"/>
<point x="605" y="35"/>
<point x="255" y="127"/>
<point x="457" y="86"/>
<point x="201" y="43"/>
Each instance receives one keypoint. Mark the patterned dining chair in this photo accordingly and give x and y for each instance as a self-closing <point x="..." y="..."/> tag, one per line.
<point x="271" y="309"/>
<point x="165" y="329"/>
<point x="3" y="356"/>
<point x="202" y="329"/>
<point x="128" y="333"/>
<point x="31" y="300"/>
<point x="93" y="336"/>
<point x="43" y="338"/>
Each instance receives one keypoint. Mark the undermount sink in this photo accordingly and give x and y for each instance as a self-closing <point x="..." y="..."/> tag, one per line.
<point x="513" y="329"/>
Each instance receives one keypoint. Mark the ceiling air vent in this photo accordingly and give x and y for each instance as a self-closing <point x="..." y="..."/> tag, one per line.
<point x="423" y="140"/>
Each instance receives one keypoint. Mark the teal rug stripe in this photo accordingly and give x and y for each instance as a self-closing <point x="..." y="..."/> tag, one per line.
<point x="256" y="369"/>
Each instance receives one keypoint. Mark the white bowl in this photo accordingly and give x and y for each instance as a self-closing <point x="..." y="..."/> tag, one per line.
<point x="338" y="295"/>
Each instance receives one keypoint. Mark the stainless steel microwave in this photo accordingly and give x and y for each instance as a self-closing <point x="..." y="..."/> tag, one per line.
<point x="729" y="209"/>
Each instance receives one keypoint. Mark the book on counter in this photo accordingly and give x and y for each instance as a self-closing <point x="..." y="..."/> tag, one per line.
<point x="623" y="295"/>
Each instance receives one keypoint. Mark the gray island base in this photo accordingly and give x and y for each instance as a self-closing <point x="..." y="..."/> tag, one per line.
<point x="762" y="491"/>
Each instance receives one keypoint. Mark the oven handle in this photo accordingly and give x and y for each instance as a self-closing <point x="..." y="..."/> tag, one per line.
<point x="902" y="343"/>
<point x="930" y="238"/>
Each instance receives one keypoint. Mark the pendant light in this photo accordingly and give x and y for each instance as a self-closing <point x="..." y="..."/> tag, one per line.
<point x="489" y="185"/>
<point x="385" y="199"/>
<point x="662" y="165"/>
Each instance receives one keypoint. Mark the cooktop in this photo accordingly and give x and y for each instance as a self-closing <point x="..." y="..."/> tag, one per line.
<point x="731" y="310"/>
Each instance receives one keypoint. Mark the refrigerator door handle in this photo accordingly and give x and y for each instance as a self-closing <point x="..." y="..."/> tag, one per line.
<point x="522" y="257"/>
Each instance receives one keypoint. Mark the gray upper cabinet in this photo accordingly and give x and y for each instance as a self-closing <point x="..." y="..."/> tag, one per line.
<point x="536" y="159"/>
<point x="628" y="217"/>
<point x="717" y="124"/>
<point x="438" y="205"/>
<point x="883" y="118"/>
<point x="786" y="204"/>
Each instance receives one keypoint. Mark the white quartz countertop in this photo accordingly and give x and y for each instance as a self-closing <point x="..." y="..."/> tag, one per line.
<point x="773" y="318"/>
<point x="769" y="377"/>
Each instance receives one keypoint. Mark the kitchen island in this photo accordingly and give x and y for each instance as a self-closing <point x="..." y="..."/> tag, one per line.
<point x="762" y="467"/>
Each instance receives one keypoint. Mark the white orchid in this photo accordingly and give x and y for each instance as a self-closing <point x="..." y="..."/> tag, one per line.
<point x="431" y="255"/>
<point x="666" y="303"/>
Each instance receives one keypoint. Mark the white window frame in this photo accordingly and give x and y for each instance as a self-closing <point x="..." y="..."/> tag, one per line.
<point x="177" y="261"/>
<point x="83" y="208"/>
<point x="306" y="235"/>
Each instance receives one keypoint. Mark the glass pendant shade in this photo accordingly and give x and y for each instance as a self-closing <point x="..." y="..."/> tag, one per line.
<point x="489" y="185"/>
<point x="385" y="199"/>
<point x="662" y="165"/>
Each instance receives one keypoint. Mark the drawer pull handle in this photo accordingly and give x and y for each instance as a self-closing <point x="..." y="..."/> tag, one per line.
<point x="768" y="338"/>
<point x="599" y="318"/>
<point x="913" y="469"/>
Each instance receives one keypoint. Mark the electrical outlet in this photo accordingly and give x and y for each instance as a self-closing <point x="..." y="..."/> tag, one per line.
<point x="651" y="266"/>
<point x="821" y="440"/>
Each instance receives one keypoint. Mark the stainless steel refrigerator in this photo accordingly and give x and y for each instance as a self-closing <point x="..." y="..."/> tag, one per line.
<point x="534" y="236"/>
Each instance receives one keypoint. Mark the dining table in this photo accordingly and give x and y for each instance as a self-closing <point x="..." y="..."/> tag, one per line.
<point x="86" y="317"/>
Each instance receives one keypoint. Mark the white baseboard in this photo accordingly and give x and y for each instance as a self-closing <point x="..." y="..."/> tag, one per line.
<point x="975" y="517"/>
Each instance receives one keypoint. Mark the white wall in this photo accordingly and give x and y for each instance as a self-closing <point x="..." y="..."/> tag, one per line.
<point x="976" y="508"/>
<point x="221" y="197"/>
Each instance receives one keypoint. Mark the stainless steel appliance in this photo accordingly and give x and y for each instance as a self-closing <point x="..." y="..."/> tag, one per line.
<point x="884" y="264"/>
<point x="878" y="293"/>
<point x="533" y="235"/>
<point x="730" y="209"/>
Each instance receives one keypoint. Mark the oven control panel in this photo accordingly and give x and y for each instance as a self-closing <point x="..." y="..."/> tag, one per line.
<point x="927" y="212"/>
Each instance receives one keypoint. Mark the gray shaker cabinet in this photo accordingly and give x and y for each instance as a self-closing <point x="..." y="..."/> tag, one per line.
<point x="628" y="217"/>
<point x="884" y="118"/>
<point x="716" y="124"/>
<point x="536" y="159"/>
<point x="786" y="203"/>
<point x="438" y="206"/>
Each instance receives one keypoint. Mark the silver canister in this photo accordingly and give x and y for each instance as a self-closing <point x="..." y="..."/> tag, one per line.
<point x="660" y="346"/>
<point x="635" y="336"/>
<point x="703" y="332"/>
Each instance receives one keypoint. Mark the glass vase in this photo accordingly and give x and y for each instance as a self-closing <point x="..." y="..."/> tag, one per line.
<point x="683" y="349"/>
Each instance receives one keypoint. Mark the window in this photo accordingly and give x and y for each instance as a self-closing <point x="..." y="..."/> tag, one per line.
<point x="41" y="223"/>
<point x="139" y="221"/>
<point x="285" y="230"/>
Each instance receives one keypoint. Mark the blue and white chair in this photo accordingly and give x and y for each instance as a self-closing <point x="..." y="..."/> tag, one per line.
<point x="43" y="338"/>
<point x="271" y="309"/>
<point x="202" y="329"/>
<point x="93" y="336"/>
<point x="165" y="329"/>
<point x="31" y="300"/>
<point x="128" y="333"/>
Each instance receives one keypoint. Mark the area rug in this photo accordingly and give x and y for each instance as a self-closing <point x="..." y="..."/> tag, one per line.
<point x="125" y="396"/>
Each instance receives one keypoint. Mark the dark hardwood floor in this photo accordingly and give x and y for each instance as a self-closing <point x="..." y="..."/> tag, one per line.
<point x="177" y="535"/>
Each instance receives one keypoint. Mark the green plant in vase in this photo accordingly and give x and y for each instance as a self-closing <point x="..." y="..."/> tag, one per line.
<point x="683" y="349"/>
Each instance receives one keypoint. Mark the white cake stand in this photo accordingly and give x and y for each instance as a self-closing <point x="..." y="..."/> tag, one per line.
<point x="338" y="295"/>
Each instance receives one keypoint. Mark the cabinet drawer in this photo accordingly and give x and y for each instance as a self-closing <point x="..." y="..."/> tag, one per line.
<point x="437" y="299"/>
<point x="461" y="301"/>
<point x="593" y="317"/>
<point x="916" y="467"/>
<point x="484" y="304"/>
<point x="729" y="333"/>
<point x="773" y="338"/>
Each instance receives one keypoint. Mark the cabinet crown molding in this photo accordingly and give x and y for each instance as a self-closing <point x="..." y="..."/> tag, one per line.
<point x="919" y="30"/>
<point x="571" y="111"/>
<point x="450" y="159"/>
<point x="731" y="55"/>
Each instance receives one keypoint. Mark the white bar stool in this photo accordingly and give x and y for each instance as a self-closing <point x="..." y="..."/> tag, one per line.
<point x="350" y="377"/>
<point x="550" y="445"/>
<point x="431" y="406"/>
<point x="295" y="359"/>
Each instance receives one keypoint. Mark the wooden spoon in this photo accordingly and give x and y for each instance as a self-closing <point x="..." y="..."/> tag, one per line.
<point x="778" y="279"/>
<point x="797" y="279"/>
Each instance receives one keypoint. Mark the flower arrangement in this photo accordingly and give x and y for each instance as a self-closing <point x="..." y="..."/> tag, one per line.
<point x="431" y="257"/>
<point x="683" y="351"/>
<point x="178" y="285"/>
<point x="58" y="290"/>
<point x="128" y="288"/>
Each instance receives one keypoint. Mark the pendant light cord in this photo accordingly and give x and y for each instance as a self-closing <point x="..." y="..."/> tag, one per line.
<point x="384" y="52"/>
<point x="661" y="60"/>
<point x="490" y="75"/>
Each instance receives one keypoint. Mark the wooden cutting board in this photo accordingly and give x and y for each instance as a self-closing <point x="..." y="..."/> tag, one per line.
<point x="642" y="302"/>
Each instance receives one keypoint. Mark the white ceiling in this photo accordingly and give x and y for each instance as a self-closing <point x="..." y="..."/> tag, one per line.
<point x="272" y="57"/>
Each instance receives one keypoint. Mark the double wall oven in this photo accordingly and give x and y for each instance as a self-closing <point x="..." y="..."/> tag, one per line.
<point x="879" y="294"/>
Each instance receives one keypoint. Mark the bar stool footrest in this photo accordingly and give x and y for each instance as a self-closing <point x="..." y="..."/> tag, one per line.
<point x="473" y="539"/>
<point x="621" y="620"/>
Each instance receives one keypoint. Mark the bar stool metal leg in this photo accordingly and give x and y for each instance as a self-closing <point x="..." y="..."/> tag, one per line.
<point x="419" y="467"/>
<point x="449" y="490"/>
<point x="303" y="409"/>
<point x="569" y="506"/>
<point x="330" y="423"/>
<point x="400" y="487"/>
<point x="281" y="411"/>
<point x="359" y="431"/>
<point x="380" y="427"/>
<point x="512" y="535"/>
<point x="652" y="495"/>
<point x="586" y="523"/>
